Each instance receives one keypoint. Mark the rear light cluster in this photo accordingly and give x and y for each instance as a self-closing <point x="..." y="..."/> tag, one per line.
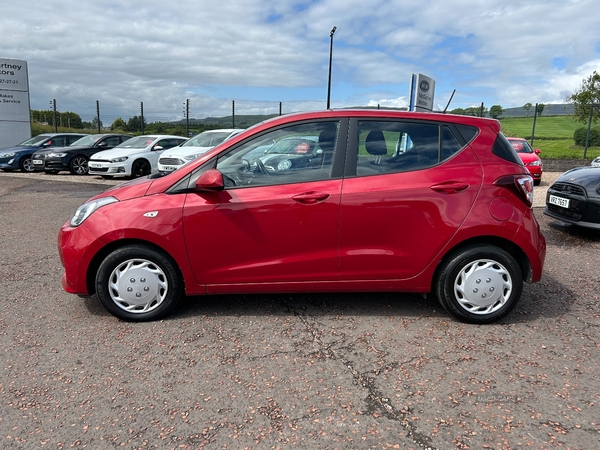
<point x="521" y="185"/>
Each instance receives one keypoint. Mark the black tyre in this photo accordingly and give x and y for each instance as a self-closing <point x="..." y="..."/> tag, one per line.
<point x="140" y="168"/>
<point x="78" y="165"/>
<point x="479" y="284"/>
<point x="137" y="283"/>
<point x="536" y="182"/>
<point x="25" y="164"/>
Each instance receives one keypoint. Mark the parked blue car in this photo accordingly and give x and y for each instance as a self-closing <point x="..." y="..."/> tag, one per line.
<point x="19" y="156"/>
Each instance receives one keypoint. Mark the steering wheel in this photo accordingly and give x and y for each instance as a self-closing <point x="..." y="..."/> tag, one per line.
<point x="261" y="167"/>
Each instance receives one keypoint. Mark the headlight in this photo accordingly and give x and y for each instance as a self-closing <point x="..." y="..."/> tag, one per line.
<point x="7" y="155"/>
<point x="86" y="210"/>
<point x="120" y="159"/>
<point x="191" y="157"/>
<point x="535" y="163"/>
<point x="56" y="155"/>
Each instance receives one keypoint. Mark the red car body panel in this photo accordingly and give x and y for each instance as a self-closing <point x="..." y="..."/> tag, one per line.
<point x="373" y="233"/>
<point x="282" y="238"/>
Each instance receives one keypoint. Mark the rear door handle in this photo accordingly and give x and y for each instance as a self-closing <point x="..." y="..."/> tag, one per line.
<point x="310" y="198"/>
<point x="450" y="187"/>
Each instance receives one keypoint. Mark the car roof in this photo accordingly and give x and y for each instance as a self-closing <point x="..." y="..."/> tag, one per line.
<point x="333" y="114"/>
<point x="161" y="136"/>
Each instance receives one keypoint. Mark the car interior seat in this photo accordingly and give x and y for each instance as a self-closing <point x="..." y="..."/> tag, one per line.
<point x="326" y="143"/>
<point x="375" y="145"/>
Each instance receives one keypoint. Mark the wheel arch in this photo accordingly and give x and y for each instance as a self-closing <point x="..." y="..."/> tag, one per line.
<point x="78" y="155"/>
<point x="140" y="159"/>
<point x="510" y="247"/>
<point x="108" y="249"/>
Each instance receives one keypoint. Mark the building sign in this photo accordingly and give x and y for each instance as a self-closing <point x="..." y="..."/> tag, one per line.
<point x="15" y="125"/>
<point x="422" y="89"/>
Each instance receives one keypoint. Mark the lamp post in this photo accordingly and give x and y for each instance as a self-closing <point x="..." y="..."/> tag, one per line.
<point x="330" y="58"/>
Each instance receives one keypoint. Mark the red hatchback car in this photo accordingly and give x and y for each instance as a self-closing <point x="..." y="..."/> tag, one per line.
<point x="392" y="201"/>
<point x="530" y="158"/>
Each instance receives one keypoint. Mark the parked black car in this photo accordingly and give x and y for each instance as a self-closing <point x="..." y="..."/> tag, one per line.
<point x="292" y="153"/>
<point x="19" y="156"/>
<point x="575" y="197"/>
<point x="75" y="157"/>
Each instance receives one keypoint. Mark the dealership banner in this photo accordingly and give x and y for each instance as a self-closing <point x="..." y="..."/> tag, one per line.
<point x="421" y="93"/>
<point x="15" y="125"/>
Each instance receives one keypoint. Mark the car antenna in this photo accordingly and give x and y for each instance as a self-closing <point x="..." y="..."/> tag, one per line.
<point x="449" y="101"/>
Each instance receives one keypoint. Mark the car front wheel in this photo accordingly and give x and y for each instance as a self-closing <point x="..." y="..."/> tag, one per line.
<point x="137" y="283"/>
<point x="78" y="165"/>
<point x="26" y="165"/>
<point x="479" y="284"/>
<point x="140" y="168"/>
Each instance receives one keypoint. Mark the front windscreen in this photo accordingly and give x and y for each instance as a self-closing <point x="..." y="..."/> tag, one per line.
<point x="137" y="142"/>
<point x="86" y="141"/>
<point x="35" y="141"/>
<point x="207" y="139"/>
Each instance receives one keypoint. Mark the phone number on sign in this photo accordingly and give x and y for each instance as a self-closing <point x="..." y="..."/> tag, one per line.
<point x="9" y="81"/>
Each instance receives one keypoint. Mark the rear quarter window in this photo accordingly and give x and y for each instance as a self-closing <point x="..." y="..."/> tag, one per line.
<point x="504" y="150"/>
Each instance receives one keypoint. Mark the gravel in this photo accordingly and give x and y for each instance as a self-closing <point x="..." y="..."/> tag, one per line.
<point x="372" y="370"/>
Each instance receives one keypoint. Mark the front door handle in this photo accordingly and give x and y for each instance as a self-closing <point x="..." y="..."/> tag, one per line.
<point x="310" y="198"/>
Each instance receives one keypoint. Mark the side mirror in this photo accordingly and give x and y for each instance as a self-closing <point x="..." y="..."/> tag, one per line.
<point x="158" y="147"/>
<point x="209" y="181"/>
<point x="537" y="151"/>
<point x="102" y="144"/>
<point x="47" y="144"/>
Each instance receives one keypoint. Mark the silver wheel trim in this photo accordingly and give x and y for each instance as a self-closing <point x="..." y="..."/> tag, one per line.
<point x="483" y="286"/>
<point x="138" y="286"/>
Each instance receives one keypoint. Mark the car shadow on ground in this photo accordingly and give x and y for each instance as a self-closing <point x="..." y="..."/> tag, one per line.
<point x="548" y="298"/>
<point x="569" y="230"/>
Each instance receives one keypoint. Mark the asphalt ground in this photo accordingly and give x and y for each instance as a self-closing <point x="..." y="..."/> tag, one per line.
<point x="347" y="371"/>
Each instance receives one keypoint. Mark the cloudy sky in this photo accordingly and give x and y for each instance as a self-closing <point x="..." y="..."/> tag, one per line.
<point x="262" y="52"/>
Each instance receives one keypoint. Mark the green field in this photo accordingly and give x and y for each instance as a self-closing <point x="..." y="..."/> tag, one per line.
<point x="553" y="135"/>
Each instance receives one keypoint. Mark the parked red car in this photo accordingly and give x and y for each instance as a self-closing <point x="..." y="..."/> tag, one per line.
<point x="391" y="201"/>
<point x="530" y="158"/>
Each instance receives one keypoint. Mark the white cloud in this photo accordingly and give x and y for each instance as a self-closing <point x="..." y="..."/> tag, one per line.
<point x="504" y="52"/>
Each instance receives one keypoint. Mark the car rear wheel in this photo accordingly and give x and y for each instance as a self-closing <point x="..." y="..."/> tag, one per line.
<point x="78" y="165"/>
<point x="140" y="168"/>
<point x="137" y="283"/>
<point x="26" y="165"/>
<point x="479" y="284"/>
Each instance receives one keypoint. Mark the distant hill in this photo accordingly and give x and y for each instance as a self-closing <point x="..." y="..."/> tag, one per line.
<point x="241" y="121"/>
<point x="562" y="109"/>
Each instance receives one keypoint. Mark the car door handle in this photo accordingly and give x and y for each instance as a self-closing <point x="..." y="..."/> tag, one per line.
<point x="450" y="187"/>
<point x="311" y="197"/>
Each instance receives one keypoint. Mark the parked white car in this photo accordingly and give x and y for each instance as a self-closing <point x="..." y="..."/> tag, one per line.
<point x="175" y="158"/>
<point x="135" y="157"/>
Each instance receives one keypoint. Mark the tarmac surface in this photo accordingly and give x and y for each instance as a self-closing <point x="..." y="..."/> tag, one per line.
<point x="345" y="371"/>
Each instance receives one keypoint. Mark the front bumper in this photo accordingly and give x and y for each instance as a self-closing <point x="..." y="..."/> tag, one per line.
<point x="7" y="166"/>
<point x="108" y="169"/>
<point x="76" y="249"/>
<point x="582" y="210"/>
<point x="55" y="164"/>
